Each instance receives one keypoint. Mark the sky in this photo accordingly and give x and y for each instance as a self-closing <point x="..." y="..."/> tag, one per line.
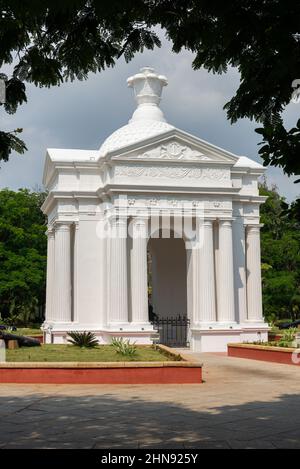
<point x="83" y="114"/>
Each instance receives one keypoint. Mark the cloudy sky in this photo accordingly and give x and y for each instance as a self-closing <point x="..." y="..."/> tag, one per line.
<point x="83" y="114"/>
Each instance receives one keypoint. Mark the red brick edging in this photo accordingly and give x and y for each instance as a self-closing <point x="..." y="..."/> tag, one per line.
<point x="168" y="372"/>
<point x="137" y="375"/>
<point x="262" y="353"/>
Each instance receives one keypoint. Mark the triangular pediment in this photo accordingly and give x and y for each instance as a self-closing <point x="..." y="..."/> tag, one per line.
<point x="175" y="145"/>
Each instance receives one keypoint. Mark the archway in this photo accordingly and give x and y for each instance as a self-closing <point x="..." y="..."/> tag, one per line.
<point x="167" y="281"/>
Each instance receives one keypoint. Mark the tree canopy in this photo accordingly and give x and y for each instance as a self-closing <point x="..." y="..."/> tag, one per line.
<point x="53" y="41"/>
<point x="23" y="252"/>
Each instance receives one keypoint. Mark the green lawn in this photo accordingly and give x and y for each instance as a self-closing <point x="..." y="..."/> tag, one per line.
<point x="27" y="331"/>
<point x="70" y="353"/>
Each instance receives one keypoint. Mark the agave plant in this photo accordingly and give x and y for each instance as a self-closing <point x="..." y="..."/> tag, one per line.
<point x="83" y="339"/>
<point x="288" y="337"/>
<point x="124" y="347"/>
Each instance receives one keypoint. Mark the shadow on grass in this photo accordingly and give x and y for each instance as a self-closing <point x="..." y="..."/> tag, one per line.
<point x="110" y="421"/>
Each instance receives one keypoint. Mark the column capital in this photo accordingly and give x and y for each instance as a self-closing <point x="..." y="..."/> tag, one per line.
<point x="139" y="227"/>
<point x="118" y="228"/>
<point x="255" y="228"/>
<point x="208" y="222"/>
<point x="63" y="226"/>
<point x="118" y="221"/>
<point x="225" y="223"/>
<point x="50" y="232"/>
<point x="140" y="218"/>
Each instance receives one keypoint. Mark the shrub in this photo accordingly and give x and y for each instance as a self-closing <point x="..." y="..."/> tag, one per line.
<point x="288" y="337"/>
<point x="124" y="347"/>
<point x="83" y="339"/>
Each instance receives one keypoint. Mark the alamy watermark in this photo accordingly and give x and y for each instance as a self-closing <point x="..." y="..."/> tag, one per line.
<point x="154" y="218"/>
<point x="2" y="90"/>
<point x="2" y="351"/>
<point x="296" y="93"/>
<point x="296" y="356"/>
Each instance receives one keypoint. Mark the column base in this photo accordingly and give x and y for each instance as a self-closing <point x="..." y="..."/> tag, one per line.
<point x="255" y="331"/>
<point x="141" y="333"/>
<point x="216" y="336"/>
<point x="259" y="322"/>
<point x="216" y="325"/>
<point x="213" y="340"/>
<point x="129" y="326"/>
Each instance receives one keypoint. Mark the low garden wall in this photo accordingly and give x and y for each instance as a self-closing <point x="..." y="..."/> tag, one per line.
<point x="288" y="356"/>
<point x="129" y="372"/>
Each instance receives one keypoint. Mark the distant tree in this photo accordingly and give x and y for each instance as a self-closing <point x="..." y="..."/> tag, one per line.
<point x="53" y="41"/>
<point x="23" y="251"/>
<point x="294" y="212"/>
<point x="280" y="245"/>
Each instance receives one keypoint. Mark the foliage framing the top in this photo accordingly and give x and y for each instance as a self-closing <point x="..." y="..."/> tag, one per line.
<point x="53" y="41"/>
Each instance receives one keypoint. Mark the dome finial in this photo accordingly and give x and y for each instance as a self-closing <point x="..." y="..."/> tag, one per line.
<point x="147" y="86"/>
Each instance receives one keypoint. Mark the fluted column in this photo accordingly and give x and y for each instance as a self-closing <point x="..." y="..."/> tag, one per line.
<point x="62" y="290"/>
<point x="189" y="281"/>
<point x="139" y="280"/>
<point x="50" y="274"/>
<point x="205" y="301"/>
<point x="118" y="285"/>
<point x="103" y="246"/>
<point x="75" y="273"/>
<point x="226" y="313"/>
<point x="254" y="295"/>
<point x="195" y="302"/>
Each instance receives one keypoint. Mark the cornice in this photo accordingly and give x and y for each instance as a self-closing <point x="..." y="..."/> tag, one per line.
<point x="66" y="195"/>
<point x="142" y="189"/>
<point x="260" y="199"/>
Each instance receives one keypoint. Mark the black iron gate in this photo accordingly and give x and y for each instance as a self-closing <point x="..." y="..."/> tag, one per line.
<point x="173" y="331"/>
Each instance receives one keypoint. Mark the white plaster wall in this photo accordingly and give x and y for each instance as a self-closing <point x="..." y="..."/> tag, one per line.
<point x="67" y="180"/>
<point x="88" y="273"/>
<point x="249" y="185"/>
<point x="90" y="180"/>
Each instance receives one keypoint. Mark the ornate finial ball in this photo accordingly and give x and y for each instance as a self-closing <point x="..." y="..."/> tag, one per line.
<point x="147" y="85"/>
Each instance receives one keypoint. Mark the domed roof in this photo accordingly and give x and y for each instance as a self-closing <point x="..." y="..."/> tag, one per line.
<point x="148" y="119"/>
<point x="134" y="132"/>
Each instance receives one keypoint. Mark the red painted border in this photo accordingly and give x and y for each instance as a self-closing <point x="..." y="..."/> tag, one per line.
<point x="136" y="375"/>
<point x="40" y="338"/>
<point x="275" y="356"/>
<point x="274" y="337"/>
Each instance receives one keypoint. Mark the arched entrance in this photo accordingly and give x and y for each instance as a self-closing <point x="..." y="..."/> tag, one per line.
<point x="167" y="280"/>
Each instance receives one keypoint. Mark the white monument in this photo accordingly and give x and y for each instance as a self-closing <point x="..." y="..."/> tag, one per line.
<point x="153" y="191"/>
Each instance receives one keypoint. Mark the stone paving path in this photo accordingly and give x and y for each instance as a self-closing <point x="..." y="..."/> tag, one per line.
<point x="242" y="404"/>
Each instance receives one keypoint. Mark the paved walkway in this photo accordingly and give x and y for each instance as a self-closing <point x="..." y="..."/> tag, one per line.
<point x="242" y="404"/>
